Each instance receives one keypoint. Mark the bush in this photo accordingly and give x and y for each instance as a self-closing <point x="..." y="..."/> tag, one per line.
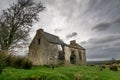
<point x="103" y="67"/>
<point x="22" y="62"/>
<point x="18" y="62"/>
<point x="2" y="61"/>
<point x="113" y="68"/>
<point x="8" y="61"/>
<point x="26" y="64"/>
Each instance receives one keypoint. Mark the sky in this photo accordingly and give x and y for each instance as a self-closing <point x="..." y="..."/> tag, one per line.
<point x="94" y="24"/>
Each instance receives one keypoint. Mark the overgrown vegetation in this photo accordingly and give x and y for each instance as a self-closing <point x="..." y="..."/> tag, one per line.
<point x="113" y="68"/>
<point x="18" y="62"/>
<point x="2" y="62"/>
<point x="14" y="61"/>
<point x="60" y="73"/>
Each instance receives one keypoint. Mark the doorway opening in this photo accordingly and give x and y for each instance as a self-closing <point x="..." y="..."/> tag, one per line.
<point x="73" y="58"/>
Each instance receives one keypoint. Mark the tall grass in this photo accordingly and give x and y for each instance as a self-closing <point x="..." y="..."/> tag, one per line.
<point x="18" y="62"/>
<point x="60" y="73"/>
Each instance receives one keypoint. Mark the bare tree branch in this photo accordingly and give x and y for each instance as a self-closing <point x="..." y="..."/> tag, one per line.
<point x="16" y="21"/>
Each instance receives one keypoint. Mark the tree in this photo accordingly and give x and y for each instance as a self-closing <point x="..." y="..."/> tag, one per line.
<point x="16" y="22"/>
<point x="113" y="60"/>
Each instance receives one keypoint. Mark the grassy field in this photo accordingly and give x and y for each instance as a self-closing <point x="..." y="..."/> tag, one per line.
<point x="60" y="73"/>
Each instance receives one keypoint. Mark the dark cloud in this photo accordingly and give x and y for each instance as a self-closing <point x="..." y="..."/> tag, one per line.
<point x="114" y="25"/>
<point x="108" y="52"/>
<point x="117" y="20"/>
<point x="71" y="35"/>
<point x="57" y="30"/>
<point x="104" y="8"/>
<point x="103" y="55"/>
<point x="101" y="27"/>
<point x="106" y="47"/>
<point x="104" y="39"/>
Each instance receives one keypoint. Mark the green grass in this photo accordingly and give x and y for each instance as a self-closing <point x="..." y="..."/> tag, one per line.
<point x="60" y="73"/>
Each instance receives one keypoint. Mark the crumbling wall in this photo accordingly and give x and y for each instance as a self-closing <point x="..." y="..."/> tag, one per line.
<point x="83" y="53"/>
<point x="79" y="56"/>
<point x="52" y="54"/>
<point x="42" y="52"/>
<point x="38" y="51"/>
<point x="67" y="55"/>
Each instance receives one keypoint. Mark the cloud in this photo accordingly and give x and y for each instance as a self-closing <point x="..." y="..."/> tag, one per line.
<point x="104" y="8"/>
<point x="101" y="27"/>
<point x="105" y="39"/>
<point x="104" y="52"/>
<point x="107" y="26"/>
<point x="117" y="20"/>
<point x="88" y="18"/>
<point x="57" y="30"/>
<point x="106" y="47"/>
<point x="83" y="42"/>
<point x="102" y="42"/>
<point x="71" y="35"/>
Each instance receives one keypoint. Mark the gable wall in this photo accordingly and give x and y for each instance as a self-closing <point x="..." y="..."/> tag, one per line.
<point x="44" y="53"/>
<point x="78" y="53"/>
<point x="37" y="52"/>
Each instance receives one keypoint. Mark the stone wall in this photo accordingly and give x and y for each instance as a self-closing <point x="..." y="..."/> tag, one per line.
<point x="53" y="54"/>
<point x="67" y="55"/>
<point x="42" y="52"/>
<point x="80" y="58"/>
<point x="47" y="53"/>
<point x="83" y="52"/>
<point x="38" y="51"/>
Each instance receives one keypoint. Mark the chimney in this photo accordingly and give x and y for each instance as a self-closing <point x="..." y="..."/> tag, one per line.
<point x="39" y="31"/>
<point x="72" y="42"/>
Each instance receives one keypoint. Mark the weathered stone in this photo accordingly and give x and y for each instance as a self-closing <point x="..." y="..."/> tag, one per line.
<point x="48" y="49"/>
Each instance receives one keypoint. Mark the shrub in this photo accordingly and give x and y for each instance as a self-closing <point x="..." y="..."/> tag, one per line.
<point x="2" y="61"/>
<point x="26" y="64"/>
<point x="103" y="67"/>
<point x="113" y="68"/>
<point x="18" y="62"/>
<point x="10" y="60"/>
<point x="22" y="62"/>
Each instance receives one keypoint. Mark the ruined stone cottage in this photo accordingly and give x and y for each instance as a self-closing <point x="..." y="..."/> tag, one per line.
<point x="47" y="49"/>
